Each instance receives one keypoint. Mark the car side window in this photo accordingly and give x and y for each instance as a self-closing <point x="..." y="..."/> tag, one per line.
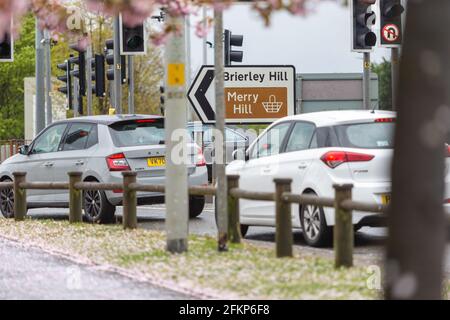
<point x="77" y="136"/>
<point x="93" y="137"/>
<point x="270" y="143"/>
<point x="232" y="136"/>
<point x="49" y="140"/>
<point x="300" y="138"/>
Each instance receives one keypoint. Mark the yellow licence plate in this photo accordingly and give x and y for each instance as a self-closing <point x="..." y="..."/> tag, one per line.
<point x="156" y="162"/>
<point x="385" y="198"/>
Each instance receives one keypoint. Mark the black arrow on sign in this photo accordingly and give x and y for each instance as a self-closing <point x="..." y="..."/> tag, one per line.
<point x="200" y="95"/>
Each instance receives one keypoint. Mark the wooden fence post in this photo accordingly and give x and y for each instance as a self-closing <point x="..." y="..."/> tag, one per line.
<point x="234" y="226"/>
<point x="129" y="201"/>
<point x="20" y="196"/>
<point x="75" y="198"/>
<point x="343" y="227"/>
<point x="283" y="236"/>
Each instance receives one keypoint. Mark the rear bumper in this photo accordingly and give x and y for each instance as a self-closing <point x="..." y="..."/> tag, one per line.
<point x="368" y="193"/>
<point x="198" y="177"/>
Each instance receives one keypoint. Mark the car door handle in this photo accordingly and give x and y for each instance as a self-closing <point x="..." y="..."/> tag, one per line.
<point x="302" y="166"/>
<point x="48" y="164"/>
<point x="79" y="163"/>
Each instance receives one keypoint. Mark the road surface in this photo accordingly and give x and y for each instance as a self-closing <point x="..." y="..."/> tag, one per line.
<point x="33" y="274"/>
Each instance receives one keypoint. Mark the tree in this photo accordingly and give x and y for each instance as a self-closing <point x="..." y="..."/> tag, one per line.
<point x="383" y="70"/>
<point x="417" y="225"/>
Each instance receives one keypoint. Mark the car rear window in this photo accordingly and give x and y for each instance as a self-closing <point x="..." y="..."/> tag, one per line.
<point x="137" y="132"/>
<point x="375" y="135"/>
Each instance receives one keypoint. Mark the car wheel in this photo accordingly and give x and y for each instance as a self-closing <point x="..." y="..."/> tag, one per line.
<point x="244" y="230"/>
<point x="314" y="226"/>
<point x="97" y="208"/>
<point x="7" y="201"/>
<point x="196" y="206"/>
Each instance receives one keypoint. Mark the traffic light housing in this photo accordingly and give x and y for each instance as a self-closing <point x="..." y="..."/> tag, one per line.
<point x="162" y="98"/>
<point x="133" y="40"/>
<point x="391" y="23"/>
<point x="79" y="73"/>
<point x="67" y="79"/>
<point x="98" y="75"/>
<point x="231" y="55"/>
<point x="109" y="57"/>
<point x="7" y="46"/>
<point x="363" y="18"/>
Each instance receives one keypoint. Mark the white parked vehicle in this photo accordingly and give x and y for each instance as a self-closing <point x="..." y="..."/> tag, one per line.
<point x="318" y="150"/>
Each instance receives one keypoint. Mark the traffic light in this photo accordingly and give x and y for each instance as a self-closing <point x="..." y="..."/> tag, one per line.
<point x="391" y="23"/>
<point x="363" y="19"/>
<point x="132" y="39"/>
<point x="7" y="45"/>
<point x="66" y="78"/>
<point x="162" y="98"/>
<point x="79" y="73"/>
<point x="109" y="53"/>
<point x="98" y="75"/>
<point x="231" y="55"/>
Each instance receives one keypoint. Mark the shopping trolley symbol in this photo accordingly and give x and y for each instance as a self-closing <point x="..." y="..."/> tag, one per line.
<point x="272" y="106"/>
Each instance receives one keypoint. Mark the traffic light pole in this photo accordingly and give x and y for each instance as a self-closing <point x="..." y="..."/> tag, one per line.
<point x="89" y="80"/>
<point x="395" y="70"/>
<point x="76" y="97"/>
<point x="39" y="114"/>
<point x="130" y="84"/>
<point x="177" y="215"/>
<point x="48" y="79"/>
<point x="219" y="144"/>
<point x="117" y="68"/>
<point x="366" y="81"/>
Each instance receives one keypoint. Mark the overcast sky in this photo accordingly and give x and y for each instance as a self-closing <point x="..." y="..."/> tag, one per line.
<point x="318" y="43"/>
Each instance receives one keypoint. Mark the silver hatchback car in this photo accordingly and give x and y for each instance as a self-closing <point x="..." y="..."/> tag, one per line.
<point x="101" y="147"/>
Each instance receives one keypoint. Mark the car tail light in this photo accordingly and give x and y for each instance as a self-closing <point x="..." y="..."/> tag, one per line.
<point x="145" y="121"/>
<point x="447" y="149"/>
<point x="385" y="120"/>
<point x="447" y="201"/>
<point x="200" y="158"/>
<point x="336" y="158"/>
<point x="117" y="162"/>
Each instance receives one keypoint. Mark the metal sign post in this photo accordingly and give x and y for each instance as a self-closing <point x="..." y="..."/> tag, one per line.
<point x="219" y="145"/>
<point x="175" y="120"/>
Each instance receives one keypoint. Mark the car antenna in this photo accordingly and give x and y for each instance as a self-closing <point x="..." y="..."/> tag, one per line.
<point x="374" y="106"/>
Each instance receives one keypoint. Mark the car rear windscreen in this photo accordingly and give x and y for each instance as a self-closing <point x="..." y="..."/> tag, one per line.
<point x="137" y="132"/>
<point x="374" y="135"/>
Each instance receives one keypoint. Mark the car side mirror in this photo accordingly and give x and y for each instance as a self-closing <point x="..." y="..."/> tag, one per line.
<point x="24" y="149"/>
<point x="237" y="154"/>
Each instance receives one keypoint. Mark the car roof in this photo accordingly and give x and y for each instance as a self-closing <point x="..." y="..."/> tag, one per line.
<point x="328" y="118"/>
<point x="110" y="119"/>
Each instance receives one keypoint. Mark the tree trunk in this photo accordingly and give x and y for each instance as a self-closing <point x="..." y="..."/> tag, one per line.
<point x="417" y="228"/>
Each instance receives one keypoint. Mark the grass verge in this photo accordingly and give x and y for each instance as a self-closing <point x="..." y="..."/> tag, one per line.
<point x="245" y="271"/>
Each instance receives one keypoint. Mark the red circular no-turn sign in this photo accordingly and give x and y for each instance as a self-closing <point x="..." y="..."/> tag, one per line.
<point x="391" y="33"/>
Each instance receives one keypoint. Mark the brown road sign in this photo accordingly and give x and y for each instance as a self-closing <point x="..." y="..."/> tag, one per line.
<point x="253" y="94"/>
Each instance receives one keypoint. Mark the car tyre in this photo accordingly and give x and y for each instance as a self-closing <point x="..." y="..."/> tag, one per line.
<point x="314" y="226"/>
<point x="196" y="206"/>
<point x="244" y="230"/>
<point x="97" y="208"/>
<point x="7" y="201"/>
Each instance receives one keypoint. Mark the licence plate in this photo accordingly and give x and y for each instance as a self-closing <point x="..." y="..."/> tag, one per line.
<point x="156" y="162"/>
<point x="385" y="199"/>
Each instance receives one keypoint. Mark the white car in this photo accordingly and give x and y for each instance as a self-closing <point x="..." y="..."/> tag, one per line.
<point x="318" y="150"/>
